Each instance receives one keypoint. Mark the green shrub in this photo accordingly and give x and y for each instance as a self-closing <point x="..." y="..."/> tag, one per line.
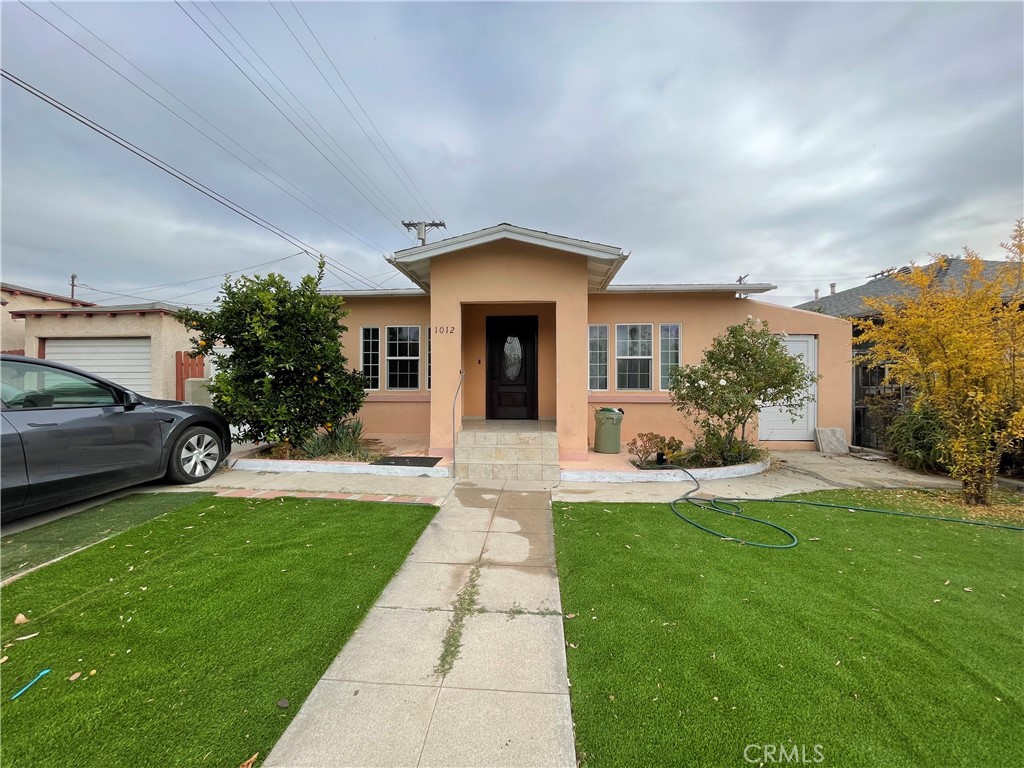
<point x="714" y="450"/>
<point x="915" y="438"/>
<point x="644" y="447"/>
<point x="286" y="378"/>
<point x="745" y="369"/>
<point x="343" y="441"/>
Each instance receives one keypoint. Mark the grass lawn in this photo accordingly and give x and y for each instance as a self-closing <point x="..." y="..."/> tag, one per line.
<point x="35" y="546"/>
<point x="196" y="623"/>
<point x="877" y="641"/>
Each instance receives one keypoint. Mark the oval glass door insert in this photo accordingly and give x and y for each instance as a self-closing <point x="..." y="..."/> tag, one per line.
<point x="513" y="359"/>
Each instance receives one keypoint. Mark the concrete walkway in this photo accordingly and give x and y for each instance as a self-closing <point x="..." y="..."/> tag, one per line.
<point x="481" y="578"/>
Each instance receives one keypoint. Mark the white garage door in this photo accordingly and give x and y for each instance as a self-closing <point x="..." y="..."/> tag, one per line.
<point x="127" y="362"/>
<point x="776" y="424"/>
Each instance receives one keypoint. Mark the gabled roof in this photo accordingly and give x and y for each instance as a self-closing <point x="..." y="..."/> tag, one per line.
<point x="603" y="261"/>
<point x="850" y="303"/>
<point x="16" y="290"/>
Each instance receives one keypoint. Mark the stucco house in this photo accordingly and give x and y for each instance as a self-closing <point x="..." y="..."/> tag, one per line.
<point x="15" y="299"/>
<point x="135" y="345"/>
<point x="508" y="324"/>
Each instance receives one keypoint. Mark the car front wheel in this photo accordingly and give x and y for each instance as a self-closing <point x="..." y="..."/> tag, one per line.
<point x="195" y="455"/>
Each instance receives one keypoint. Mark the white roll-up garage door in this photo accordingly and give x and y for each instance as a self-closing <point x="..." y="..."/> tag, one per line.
<point x="776" y="424"/>
<point x="127" y="362"/>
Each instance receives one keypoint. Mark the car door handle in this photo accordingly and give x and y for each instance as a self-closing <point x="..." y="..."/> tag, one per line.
<point x="43" y="424"/>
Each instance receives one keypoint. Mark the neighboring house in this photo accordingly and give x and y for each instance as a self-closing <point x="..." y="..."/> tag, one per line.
<point x="134" y="345"/>
<point x="514" y="323"/>
<point x="16" y="298"/>
<point x="869" y="385"/>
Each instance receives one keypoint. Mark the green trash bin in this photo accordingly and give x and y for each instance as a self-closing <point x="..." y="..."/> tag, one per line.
<point x="607" y="433"/>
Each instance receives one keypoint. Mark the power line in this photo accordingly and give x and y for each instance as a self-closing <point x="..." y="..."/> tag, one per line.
<point x="352" y="165"/>
<point x="273" y="103"/>
<point x="148" y="288"/>
<point x="165" y="167"/>
<point x="363" y="110"/>
<point x="337" y="222"/>
<point x="335" y="92"/>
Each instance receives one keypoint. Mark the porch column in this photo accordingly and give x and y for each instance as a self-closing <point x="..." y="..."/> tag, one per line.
<point x="446" y="361"/>
<point x="571" y="370"/>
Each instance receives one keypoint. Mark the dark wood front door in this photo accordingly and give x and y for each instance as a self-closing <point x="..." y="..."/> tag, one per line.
<point x="512" y="367"/>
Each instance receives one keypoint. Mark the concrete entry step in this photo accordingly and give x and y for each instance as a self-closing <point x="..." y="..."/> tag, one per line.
<point x="507" y="450"/>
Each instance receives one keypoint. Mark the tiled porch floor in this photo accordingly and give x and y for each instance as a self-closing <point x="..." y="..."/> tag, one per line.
<point x="508" y="425"/>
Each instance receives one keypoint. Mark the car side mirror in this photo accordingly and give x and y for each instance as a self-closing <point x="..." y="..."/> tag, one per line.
<point x="131" y="401"/>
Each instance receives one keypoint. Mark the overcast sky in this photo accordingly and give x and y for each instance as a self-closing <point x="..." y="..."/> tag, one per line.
<point x="800" y="144"/>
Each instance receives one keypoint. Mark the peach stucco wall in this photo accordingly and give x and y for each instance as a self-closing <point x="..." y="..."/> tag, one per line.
<point x="384" y="411"/>
<point x="510" y="274"/>
<point x="704" y="316"/>
<point x="166" y="335"/>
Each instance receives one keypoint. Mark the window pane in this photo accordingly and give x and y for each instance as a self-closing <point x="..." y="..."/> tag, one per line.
<point x="598" y="357"/>
<point x="36" y="386"/>
<point x="669" y="352"/>
<point x="371" y="356"/>
<point x="634" y="348"/>
<point x="403" y="357"/>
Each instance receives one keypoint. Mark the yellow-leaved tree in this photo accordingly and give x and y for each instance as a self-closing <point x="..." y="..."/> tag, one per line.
<point x="959" y="343"/>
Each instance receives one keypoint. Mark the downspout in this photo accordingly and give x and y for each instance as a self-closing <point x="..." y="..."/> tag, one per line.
<point x="455" y="399"/>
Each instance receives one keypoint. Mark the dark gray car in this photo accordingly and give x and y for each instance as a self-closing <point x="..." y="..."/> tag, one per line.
<point x="68" y="435"/>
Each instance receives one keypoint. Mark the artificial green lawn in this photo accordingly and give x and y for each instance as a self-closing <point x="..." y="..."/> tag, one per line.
<point x="684" y="649"/>
<point x="197" y="623"/>
<point x="35" y="546"/>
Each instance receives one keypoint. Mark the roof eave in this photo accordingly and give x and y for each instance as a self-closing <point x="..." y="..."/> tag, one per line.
<point x="744" y="288"/>
<point x="393" y="261"/>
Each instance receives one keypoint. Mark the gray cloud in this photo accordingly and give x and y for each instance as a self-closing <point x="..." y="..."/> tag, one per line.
<point x="799" y="143"/>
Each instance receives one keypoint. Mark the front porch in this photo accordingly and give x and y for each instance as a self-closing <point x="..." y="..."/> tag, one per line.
<point x="506" y="449"/>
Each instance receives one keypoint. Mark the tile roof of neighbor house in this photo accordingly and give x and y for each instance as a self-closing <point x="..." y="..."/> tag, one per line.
<point x="20" y="289"/>
<point x="850" y="303"/>
<point x="158" y="307"/>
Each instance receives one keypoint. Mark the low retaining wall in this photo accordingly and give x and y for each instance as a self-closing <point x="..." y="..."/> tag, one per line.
<point x="662" y="475"/>
<point x="567" y="475"/>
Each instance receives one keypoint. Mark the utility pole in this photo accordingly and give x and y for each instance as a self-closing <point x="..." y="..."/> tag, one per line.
<point x="74" y="278"/>
<point x="421" y="228"/>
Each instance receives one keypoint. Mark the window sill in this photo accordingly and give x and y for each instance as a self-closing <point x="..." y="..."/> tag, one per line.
<point x="627" y="396"/>
<point x="398" y="397"/>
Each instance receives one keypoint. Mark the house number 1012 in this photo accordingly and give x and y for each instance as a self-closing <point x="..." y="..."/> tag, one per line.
<point x="439" y="329"/>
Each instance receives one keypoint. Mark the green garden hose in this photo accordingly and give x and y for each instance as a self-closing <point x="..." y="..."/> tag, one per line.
<point x="731" y="507"/>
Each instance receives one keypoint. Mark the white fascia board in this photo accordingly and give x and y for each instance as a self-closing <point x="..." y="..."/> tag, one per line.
<point x="693" y="288"/>
<point x="501" y="232"/>
<point x="408" y="292"/>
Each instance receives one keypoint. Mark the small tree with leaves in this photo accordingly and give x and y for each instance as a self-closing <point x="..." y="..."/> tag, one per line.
<point x="960" y="345"/>
<point x="284" y="378"/>
<point x="745" y="369"/>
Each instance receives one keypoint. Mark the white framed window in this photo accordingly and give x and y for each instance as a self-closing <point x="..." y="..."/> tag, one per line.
<point x="403" y="356"/>
<point x="598" y="349"/>
<point x="634" y="356"/>
<point x="369" y="355"/>
<point x="428" y="357"/>
<point x="670" y="336"/>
